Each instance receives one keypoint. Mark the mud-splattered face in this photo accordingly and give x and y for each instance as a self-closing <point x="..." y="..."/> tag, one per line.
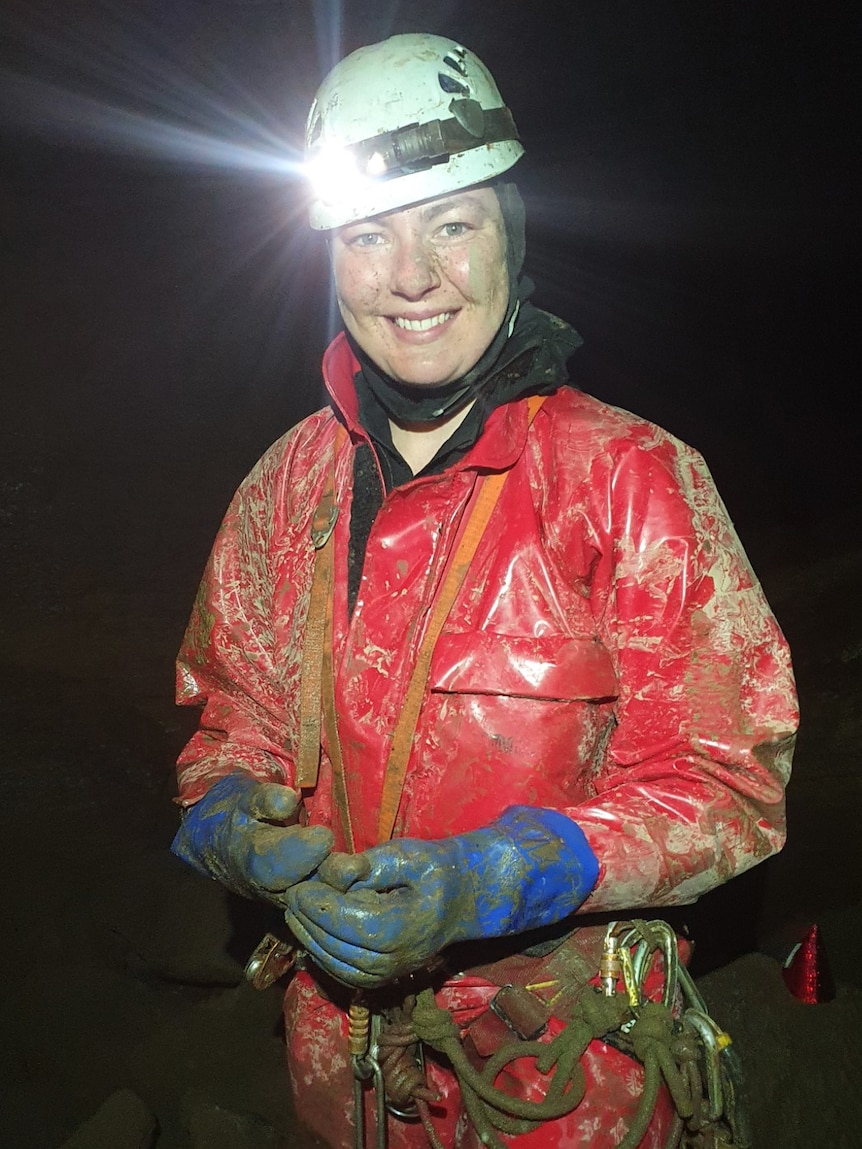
<point x="424" y="290"/>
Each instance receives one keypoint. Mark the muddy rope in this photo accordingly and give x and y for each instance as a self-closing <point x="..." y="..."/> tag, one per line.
<point x="593" y="1016"/>
<point x="675" y="1040"/>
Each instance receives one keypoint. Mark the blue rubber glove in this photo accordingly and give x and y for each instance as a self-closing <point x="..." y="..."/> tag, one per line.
<point x="403" y="902"/>
<point x="244" y="833"/>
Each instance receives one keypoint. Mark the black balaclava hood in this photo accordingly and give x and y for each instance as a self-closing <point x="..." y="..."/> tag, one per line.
<point x="407" y="403"/>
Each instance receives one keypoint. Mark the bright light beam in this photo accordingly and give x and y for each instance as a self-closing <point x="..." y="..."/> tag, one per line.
<point x="329" y="27"/>
<point x="50" y="111"/>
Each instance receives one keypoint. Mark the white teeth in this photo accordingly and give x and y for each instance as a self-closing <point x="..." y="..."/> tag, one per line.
<point x="423" y="324"/>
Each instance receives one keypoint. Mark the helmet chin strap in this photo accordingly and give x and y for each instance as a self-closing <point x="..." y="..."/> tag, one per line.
<point x="412" y="403"/>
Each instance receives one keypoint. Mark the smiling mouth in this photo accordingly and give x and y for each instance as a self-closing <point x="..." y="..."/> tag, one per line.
<point x="422" y="324"/>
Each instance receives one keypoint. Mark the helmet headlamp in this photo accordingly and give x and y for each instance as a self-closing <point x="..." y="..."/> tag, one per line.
<point x="413" y="148"/>
<point x="434" y="122"/>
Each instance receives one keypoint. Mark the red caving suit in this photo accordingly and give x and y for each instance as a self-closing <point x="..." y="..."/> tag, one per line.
<point x="610" y="655"/>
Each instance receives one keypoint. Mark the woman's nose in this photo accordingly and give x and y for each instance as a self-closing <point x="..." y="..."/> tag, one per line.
<point x="414" y="269"/>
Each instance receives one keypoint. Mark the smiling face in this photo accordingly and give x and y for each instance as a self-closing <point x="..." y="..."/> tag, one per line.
<point x="423" y="290"/>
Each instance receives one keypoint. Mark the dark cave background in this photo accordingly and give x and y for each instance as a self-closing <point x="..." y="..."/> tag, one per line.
<point x="692" y="194"/>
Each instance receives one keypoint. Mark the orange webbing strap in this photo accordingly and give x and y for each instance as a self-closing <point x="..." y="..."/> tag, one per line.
<point x="311" y="685"/>
<point x="405" y="729"/>
<point x="330" y="719"/>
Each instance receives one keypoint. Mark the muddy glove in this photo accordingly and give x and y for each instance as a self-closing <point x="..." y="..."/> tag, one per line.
<point x="399" y="904"/>
<point x="244" y="833"/>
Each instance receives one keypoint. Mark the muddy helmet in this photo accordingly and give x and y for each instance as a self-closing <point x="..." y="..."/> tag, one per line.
<point x="406" y="120"/>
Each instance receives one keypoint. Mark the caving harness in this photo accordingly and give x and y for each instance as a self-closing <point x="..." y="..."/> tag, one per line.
<point x="641" y="999"/>
<point x="666" y="1028"/>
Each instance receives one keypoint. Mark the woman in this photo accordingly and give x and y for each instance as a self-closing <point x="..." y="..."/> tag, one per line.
<point x="481" y="658"/>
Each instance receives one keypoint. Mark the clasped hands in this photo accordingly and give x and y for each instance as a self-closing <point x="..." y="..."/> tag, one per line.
<point x="370" y="918"/>
<point x="364" y="918"/>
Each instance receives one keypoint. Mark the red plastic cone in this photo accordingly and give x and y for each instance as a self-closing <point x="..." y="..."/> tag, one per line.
<point x="806" y="970"/>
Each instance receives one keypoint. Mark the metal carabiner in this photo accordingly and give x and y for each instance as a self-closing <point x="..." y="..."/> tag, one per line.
<point x="713" y="1040"/>
<point x="366" y="1067"/>
<point x="271" y="959"/>
<point x="380" y="1116"/>
<point x="359" y="1024"/>
<point x="358" y="1109"/>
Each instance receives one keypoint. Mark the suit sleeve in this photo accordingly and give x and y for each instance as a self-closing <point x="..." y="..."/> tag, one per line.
<point x="691" y="792"/>
<point x="229" y="660"/>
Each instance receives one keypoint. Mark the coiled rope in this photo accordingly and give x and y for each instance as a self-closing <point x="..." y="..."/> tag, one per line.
<point x="675" y="1046"/>
<point x="593" y="1016"/>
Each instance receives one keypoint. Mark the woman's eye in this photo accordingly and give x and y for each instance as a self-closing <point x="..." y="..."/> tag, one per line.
<point x="365" y="239"/>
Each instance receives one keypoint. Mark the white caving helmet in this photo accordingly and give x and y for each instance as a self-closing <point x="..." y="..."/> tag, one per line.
<point x="406" y="120"/>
